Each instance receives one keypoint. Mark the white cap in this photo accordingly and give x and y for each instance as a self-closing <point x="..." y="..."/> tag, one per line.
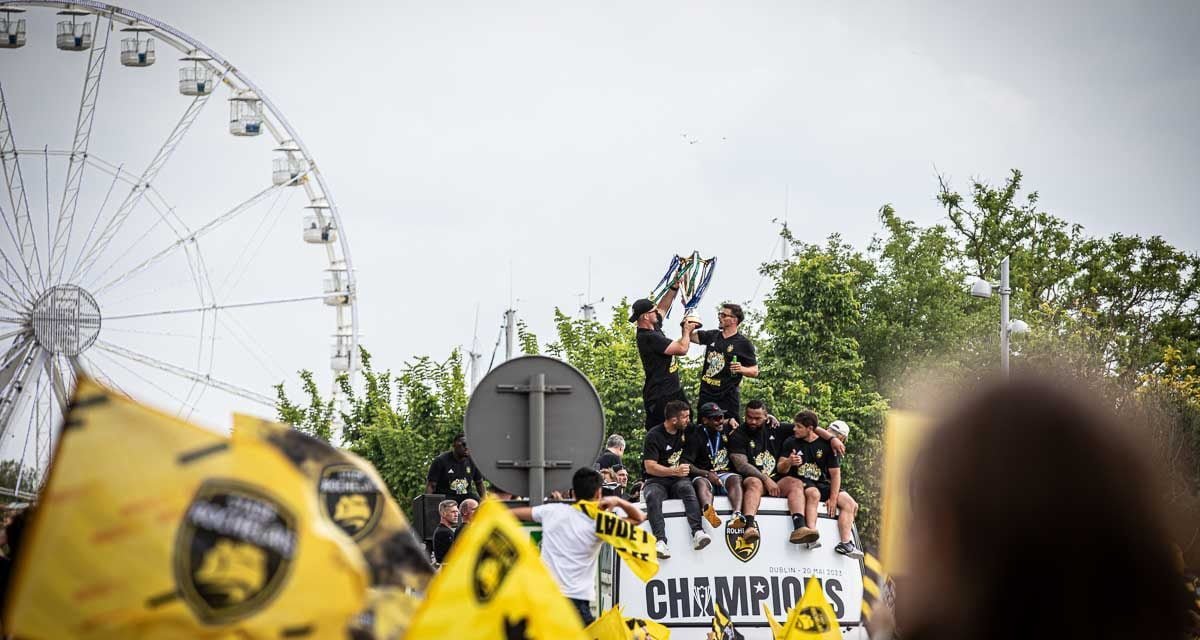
<point x="840" y="428"/>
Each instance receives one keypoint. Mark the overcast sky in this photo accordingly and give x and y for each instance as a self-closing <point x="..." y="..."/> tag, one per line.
<point x="473" y="148"/>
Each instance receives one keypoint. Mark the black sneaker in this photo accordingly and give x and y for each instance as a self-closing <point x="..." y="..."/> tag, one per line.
<point x="849" y="550"/>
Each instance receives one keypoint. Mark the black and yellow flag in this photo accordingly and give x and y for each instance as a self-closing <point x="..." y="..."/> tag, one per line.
<point x="634" y="544"/>
<point x="609" y="626"/>
<point x="494" y="585"/>
<point x="643" y="629"/>
<point x="878" y="589"/>
<point x="812" y="618"/>
<point x="355" y="499"/>
<point x="151" y="527"/>
<point x="722" y="626"/>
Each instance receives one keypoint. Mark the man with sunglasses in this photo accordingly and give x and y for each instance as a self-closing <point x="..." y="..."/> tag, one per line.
<point x="658" y="353"/>
<point x="728" y="357"/>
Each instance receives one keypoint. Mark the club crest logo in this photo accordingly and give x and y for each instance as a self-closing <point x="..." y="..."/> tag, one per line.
<point x="233" y="551"/>
<point x="813" y="620"/>
<point x="495" y="561"/>
<point x="738" y="545"/>
<point x="350" y="498"/>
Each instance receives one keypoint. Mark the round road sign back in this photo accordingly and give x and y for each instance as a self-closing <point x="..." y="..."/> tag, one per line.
<point x="498" y="417"/>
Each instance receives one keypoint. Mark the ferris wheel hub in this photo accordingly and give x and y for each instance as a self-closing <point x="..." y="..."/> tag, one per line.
<point x="65" y="320"/>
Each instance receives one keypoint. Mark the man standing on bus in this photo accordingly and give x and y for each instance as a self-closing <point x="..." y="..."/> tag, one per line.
<point x="728" y="358"/>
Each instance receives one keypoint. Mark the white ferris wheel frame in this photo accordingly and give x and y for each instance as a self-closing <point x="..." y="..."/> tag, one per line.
<point x="273" y="121"/>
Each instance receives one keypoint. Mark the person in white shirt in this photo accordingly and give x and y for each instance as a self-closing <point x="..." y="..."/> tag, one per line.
<point x="570" y="547"/>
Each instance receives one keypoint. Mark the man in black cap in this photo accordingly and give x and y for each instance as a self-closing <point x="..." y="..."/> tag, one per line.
<point x="658" y="356"/>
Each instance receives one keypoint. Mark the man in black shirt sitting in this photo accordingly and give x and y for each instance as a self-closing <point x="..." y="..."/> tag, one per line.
<point x="753" y="448"/>
<point x="454" y="475"/>
<point x="657" y="353"/>
<point x="712" y="475"/>
<point x="667" y="476"/>
<point x="807" y="458"/>
<point x="728" y="358"/>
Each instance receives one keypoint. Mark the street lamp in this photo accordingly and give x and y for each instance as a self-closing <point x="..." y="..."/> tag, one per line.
<point x="983" y="289"/>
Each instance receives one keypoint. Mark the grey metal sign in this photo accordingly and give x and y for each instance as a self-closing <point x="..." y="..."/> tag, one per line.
<point x="531" y="422"/>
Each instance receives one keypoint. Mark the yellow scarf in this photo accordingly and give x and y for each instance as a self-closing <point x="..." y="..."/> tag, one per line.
<point x="634" y="545"/>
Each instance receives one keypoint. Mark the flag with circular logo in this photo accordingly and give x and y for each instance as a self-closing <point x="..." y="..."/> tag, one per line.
<point x="152" y="527"/>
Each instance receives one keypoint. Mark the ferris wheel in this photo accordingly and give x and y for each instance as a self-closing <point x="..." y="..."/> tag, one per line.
<point x="193" y="258"/>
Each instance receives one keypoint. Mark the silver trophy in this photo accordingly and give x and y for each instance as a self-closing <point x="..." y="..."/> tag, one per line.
<point x="692" y="274"/>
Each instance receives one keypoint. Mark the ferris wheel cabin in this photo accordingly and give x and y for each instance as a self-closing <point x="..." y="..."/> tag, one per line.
<point x="245" y="114"/>
<point x="340" y="356"/>
<point x="197" y="79"/>
<point x="137" y="51"/>
<point x="337" y="287"/>
<point x="12" y="28"/>
<point x="318" y="226"/>
<point x="74" y="33"/>
<point x="288" y="167"/>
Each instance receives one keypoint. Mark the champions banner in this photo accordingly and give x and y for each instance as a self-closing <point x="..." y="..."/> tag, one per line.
<point x="635" y="545"/>
<point x="151" y="527"/>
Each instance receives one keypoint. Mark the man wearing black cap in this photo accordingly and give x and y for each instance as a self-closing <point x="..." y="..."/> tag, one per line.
<point x="658" y="356"/>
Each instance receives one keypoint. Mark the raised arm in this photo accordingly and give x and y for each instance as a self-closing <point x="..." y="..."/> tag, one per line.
<point x="632" y="513"/>
<point x="665" y="304"/>
<point x="680" y="347"/>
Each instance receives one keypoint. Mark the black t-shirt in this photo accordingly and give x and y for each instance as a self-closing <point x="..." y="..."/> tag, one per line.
<point x="661" y="370"/>
<point x="717" y="381"/>
<point x="761" y="447"/>
<point x="707" y="450"/>
<point x="443" y="539"/>
<point x="607" y="460"/>
<point x="454" y="478"/>
<point x="818" y="460"/>
<point x="663" y="447"/>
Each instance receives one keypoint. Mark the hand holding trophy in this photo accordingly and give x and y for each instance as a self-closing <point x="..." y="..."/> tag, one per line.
<point x="691" y="275"/>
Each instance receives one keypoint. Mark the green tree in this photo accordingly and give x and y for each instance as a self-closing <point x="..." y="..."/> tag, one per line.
<point x="397" y="423"/>
<point x="811" y="359"/>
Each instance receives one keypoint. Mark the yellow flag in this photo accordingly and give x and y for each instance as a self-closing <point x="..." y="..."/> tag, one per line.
<point x="643" y="629"/>
<point x="902" y="438"/>
<point x="609" y="626"/>
<point x="777" y="629"/>
<point x="151" y="527"/>
<point x="354" y="498"/>
<point x="494" y="585"/>
<point x="812" y="618"/>
<point x="722" y="626"/>
<point x="635" y="545"/>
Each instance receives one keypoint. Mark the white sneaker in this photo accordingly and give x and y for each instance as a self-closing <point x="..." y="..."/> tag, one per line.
<point x="662" y="549"/>
<point x="700" y="540"/>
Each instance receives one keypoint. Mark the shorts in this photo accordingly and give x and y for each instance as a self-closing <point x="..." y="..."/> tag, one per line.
<point x="823" y="488"/>
<point x="722" y="476"/>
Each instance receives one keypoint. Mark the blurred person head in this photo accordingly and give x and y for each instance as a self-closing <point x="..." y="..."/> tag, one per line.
<point x="1018" y="536"/>
<point x="466" y="509"/>
<point x="616" y="444"/>
<point x="804" y="424"/>
<point x="622" y="475"/>
<point x="730" y="316"/>
<point x="840" y="430"/>
<point x="448" y="512"/>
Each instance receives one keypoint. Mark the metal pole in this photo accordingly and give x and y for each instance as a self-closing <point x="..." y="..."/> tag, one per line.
<point x="537" y="439"/>
<point x="1004" y="292"/>
<point x="510" y="332"/>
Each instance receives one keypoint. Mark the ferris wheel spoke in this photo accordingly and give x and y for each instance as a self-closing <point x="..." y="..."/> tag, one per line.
<point x="183" y="372"/>
<point x="93" y="368"/>
<point x="141" y="186"/>
<point x="214" y="307"/>
<point x="175" y="246"/>
<point x="21" y="228"/>
<point x="79" y="151"/>
<point x="57" y="385"/>
<point x="17" y="378"/>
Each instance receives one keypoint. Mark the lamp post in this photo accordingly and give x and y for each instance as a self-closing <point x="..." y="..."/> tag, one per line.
<point x="983" y="289"/>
